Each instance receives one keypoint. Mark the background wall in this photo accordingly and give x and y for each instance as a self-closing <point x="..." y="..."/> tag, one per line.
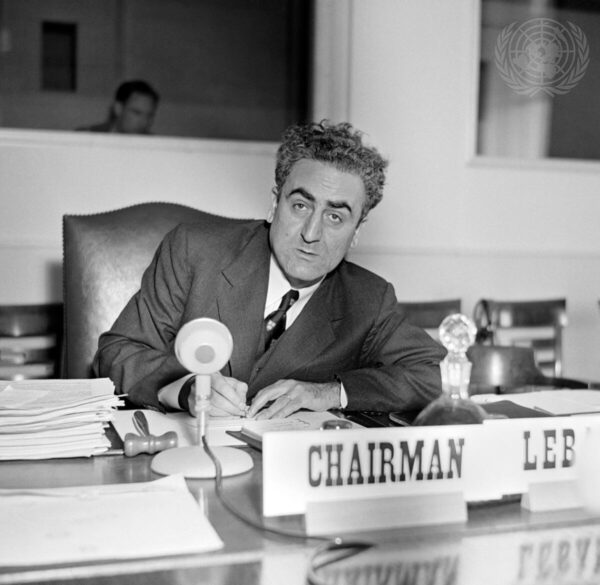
<point x="45" y="175"/>
<point x="448" y="225"/>
<point x="451" y="226"/>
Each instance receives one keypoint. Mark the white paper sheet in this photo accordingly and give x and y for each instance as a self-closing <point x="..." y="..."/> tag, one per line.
<point x="558" y="402"/>
<point x="183" y="424"/>
<point x="305" y="420"/>
<point x="69" y="525"/>
<point x="37" y="396"/>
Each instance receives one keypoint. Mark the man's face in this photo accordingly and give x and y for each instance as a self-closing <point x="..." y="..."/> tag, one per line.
<point x="136" y="115"/>
<point x="315" y="221"/>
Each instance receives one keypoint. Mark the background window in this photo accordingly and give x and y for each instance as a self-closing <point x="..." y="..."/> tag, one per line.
<point x="234" y="69"/>
<point x="59" y="56"/>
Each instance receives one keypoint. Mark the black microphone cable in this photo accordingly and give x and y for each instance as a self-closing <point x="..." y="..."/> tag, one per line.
<point x="329" y="551"/>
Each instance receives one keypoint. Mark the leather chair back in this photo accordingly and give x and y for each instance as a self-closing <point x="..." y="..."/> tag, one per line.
<point x="104" y="257"/>
<point x="429" y="314"/>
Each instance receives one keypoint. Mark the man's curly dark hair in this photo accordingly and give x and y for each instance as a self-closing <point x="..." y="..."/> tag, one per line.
<point x="339" y="145"/>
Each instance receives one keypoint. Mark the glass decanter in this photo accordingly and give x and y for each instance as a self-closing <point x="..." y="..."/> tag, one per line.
<point x="454" y="407"/>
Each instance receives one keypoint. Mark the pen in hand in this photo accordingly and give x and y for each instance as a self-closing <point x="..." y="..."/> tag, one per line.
<point x="228" y="396"/>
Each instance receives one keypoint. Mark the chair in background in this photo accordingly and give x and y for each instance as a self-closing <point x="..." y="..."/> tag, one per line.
<point x="429" y="314"/>
<point x="501" y="369"/>
<point x="104" y="257"/>
<point x="30" y="340"/>
<point x="537" y="324"/>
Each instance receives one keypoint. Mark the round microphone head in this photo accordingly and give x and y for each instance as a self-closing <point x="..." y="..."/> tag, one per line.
<point x="203" y="346"/>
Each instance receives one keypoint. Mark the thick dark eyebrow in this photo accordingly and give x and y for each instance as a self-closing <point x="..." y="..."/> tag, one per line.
<point x="310" y="197"/>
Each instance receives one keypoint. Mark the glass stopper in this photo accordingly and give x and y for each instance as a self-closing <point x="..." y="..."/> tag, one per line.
<point x="457" y="333"/>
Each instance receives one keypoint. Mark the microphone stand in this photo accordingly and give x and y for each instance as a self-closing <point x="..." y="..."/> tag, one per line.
<point x="203" y="346"/>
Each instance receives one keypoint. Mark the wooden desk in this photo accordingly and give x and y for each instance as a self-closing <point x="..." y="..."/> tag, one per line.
<point x="501" y="543"/>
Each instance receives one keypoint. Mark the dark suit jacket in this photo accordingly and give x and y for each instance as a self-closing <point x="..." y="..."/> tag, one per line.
<point x="350" y="328"/>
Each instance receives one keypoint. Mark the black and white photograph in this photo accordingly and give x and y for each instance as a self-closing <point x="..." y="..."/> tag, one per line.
<point x="299" y="292"/>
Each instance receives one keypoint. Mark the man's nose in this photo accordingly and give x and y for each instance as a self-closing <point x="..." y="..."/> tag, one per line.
<point x="312" y="229"/>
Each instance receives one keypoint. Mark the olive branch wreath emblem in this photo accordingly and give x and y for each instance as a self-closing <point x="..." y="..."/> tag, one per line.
<point x="565" y="84"/>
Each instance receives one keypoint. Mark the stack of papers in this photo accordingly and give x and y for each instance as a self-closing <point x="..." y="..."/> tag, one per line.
<point x="43" y="419"/>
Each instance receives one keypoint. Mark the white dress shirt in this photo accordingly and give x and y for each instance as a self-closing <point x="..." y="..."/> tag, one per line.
<point x="277" y="287"/>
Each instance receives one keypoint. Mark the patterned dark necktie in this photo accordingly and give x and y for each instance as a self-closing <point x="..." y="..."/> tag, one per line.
<point x="275" y="322"/>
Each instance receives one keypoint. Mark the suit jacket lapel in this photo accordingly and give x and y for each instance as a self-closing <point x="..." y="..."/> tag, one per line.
<point x="241" y="294"/>
<point x="307" y="337"/>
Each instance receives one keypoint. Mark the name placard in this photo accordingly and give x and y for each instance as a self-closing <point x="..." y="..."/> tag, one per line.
<point x="482" y="461"/>
<point x="362" y="463"/>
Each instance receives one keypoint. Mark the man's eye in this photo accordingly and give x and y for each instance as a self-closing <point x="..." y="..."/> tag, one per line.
<point x="299" y="205"/>
<point x="336" y="218"/>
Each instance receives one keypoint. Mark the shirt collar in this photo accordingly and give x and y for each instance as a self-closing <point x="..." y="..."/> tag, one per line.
<point x="279" y="285"/>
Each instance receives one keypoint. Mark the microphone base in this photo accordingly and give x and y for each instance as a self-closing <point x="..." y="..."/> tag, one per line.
<point x="194" y="462"/>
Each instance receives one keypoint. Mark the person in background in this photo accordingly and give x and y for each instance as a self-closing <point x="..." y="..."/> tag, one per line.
<point x="310" y="329"/>
<point x="132" y="110"/>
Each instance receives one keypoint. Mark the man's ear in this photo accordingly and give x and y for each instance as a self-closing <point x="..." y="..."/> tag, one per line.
<point x="272" y="209"/>
<point x="356" y="231"/>
<point x="355" y="236"/>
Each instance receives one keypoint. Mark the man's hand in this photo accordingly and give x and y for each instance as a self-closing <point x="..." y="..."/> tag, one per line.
<point x="227" y="397"/>
<point x="288" y="396"/>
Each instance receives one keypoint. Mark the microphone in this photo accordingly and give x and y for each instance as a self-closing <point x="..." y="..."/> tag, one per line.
<point x="202" y="346"/>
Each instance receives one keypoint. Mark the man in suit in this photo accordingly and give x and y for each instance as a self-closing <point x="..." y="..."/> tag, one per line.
<point x="339" y="341"/>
